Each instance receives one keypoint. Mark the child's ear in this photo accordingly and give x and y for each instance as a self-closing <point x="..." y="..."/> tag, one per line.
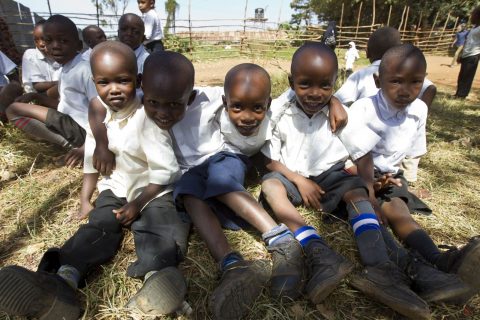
<point x="224" y="100"/>
<point x="290" y="81"/>
<point x="192" y="97"/>
<point x="269" y="102"/>
<point x="139" y="81"/>
<point x="376" y="79"/>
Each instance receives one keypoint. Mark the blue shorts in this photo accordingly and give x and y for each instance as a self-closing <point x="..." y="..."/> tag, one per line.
<point x="222" y="173"/>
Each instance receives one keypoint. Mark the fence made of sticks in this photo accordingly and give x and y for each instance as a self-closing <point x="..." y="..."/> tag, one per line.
<point x="222" y="38"/>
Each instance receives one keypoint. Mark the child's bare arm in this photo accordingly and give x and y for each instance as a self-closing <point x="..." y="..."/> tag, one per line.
<point x="40" y="99"/>
<point x="103" y="158"/>
<point x="429" y="95"/>
<point x="43" y="86"/>
<point x="337" y="115"/>
<point x="88" y="187"/>
<point x="310" y="191"/>
<point x="129" y="212"/>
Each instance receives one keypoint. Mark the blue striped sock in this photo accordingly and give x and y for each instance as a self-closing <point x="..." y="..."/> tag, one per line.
<point x="364" y="222"/>
<point x="305" y="234"/>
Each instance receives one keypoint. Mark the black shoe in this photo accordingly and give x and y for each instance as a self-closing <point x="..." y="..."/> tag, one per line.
<point x="388" y="285"/>
<point x="287" y="270"/>
<point x="463" y="261"/>
<point x="433" y="285"/>
<point x="239" y="287"/>
<point x="36" y="295"/>
<point x="161" y="294"/>
<point x="326" y="269"/>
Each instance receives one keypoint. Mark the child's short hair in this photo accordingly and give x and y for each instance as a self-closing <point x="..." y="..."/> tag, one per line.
<point x="115" y="48"/>
<point x="316" y="46"/>
<point x="403" y="52"/>
<point x="380" y="41"/>
<point x="169" y="63"/>
<point x="244" y="67"/>
<point x="68" y="25"/>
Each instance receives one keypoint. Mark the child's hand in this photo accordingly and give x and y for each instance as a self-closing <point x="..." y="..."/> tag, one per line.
<point x="337" y="115"/>
<point x="27" y="97"/>
<point x="128" y="213"/>
<point x="103" y="160"/>
<point x="385" y="181"/>
<point x="310" y="191"/>
<point x="74" y="157"/>
<point x="85" y="208"/>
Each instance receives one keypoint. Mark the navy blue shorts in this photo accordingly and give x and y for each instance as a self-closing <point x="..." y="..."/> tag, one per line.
<point x="336" y="181"/>
<point x="222" y="173"/>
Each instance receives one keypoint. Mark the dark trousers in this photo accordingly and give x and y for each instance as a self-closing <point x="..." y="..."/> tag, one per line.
<point x="154" y="46"/>
<point x="160" y="236"/>
<point x="466" y="75"/>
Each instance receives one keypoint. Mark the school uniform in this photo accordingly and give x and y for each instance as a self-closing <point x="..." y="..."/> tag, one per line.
<point x="402" y="134"/>
<point x="141" y="54"/>
<point x="153" y="30"/>
<point x="86" y="54"/>
<point x="361" y="84"/>
<point x="38" y="68"/>
<point x="308" y="147"/>
<point x="143" y="155"/>
<point x="76" y="89"/>
<point x="6" y="67"/>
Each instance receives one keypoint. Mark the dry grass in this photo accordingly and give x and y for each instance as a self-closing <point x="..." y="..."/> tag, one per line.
<point x="36" y="205"/>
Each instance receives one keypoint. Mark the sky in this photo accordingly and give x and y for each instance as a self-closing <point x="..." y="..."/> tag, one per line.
<point x="275" y="10"/>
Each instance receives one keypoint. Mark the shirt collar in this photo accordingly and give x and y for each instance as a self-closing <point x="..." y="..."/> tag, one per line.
<point x="376" y="62"/>
<point x="139" y="51"/>
<point x="294" y="108"/>
<point x="69" y="65"/>
<point x="39" y="55"/>
<point x="123" y="115"/>
<point x="388" y="112"/>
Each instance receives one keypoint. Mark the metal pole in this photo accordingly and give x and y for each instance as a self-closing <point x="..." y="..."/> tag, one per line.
<point x="98" y="15"/>
<point x="49" y="8"/>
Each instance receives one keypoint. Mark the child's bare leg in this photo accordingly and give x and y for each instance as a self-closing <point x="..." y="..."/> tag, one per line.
<point x="7" y="95"/>
<point x="208" y="227"/>
<point x="244" y="205"/>
<point x="88" y="187"/>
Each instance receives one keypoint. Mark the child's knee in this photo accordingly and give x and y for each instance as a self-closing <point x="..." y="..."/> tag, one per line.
<point x="271" y="187"/>
<point x="358" y="194"/>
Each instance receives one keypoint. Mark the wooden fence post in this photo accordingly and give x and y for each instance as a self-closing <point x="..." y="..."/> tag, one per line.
<point x="389" y="14"/>
<point x="401" y="20"/>
<point x="373" y="14"/>
<point x="443" y="30"/>
<point x="244" y="27"/>
<point x="341" y="24"/>
<point x="358" y="19"/>
<point x="406" y="19"/>
<point x="190" y="28"/>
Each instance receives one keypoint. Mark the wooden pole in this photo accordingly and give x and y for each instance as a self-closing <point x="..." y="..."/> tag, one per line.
<point x="420" y="20"/>
<point x="401" y="21"/>
<point x="190" y="25"/>
<point x="244" y="26"/>
<point x="389" y="15"/>
<point x="406" y="19"/>
<point x="341" y="24"/>
<point x="433" y="25"/>
<point x="358" y="18"/>
<point x="373" y="13"/>
<point x="443" y="30"/>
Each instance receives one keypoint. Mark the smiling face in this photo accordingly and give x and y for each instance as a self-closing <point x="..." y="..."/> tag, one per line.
<point x="38" y="39"/>
<point x="131" y="30"/>
<point x="247" y="100"/>
<point x="145" y="5"/>
<point x="313" y="77"/>
<point x="401" y="79"/>
<point x="115" y="79"/>
<point x="62" y="42"/>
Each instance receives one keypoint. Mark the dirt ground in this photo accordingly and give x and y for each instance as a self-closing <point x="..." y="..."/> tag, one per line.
<point x="439" y="72"/>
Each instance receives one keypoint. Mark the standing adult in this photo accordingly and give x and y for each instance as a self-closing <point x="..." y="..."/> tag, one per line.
<point x="470" y="57"/>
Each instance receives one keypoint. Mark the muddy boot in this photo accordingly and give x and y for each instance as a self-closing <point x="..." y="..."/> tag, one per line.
<point x="240" y="285"/>
<point x="36" y="295"/>
<point x="326" y="269"/>
<point x="388" y="285"/>
<point x="162" y="293"/>
<point x="287" y="270"/>
<point x="434" y="285"/>
<point x="463" y="261"/>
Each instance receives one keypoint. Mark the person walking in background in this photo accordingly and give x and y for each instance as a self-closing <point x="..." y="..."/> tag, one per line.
<point x="350" y="56"/>
<point x="458" y="42"/>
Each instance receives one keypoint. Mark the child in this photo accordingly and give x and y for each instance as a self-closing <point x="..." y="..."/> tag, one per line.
<point x="350" y="56"/>
<point x="40" y="72"/>
<point x="140" y="199"/>
<point x="307" y="163"/>
<point x="153" y="25"/>
<point x="396" y="116"/>
<point x="60" y="122"/>
<point x="469" y="57"/>
<point x="458" y="42"/>
<point x="92" y="35"/>
<point x="10" y="88"/>
<point x="130" y="32"/>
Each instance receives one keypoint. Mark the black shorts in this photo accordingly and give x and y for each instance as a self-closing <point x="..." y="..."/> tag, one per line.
<point x="65" y="126"/>
<point x="414" y="204"/>
<point x="336" y="181"/>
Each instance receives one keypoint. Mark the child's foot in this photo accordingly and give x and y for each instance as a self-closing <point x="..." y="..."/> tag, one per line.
<point x="36" y="295"/>
<point x="463" y="261"/>
<point x="433" y="285"/>
<point x="240" y="286"/>
<point x="161" y="294"/>
<point x="326" y="270"/>
<point x="288" y="270"/>
<point x="388" y="285"/>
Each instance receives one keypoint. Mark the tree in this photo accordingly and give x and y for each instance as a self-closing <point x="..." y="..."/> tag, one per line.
<point x="303" y="12"/>
<point x="112" y="7"/>
<point x="171" y="7"/>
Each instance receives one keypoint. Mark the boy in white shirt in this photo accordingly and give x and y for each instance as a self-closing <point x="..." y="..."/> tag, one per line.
<point x="40" y="73"/>
<point x="350" y="56"/>
<point x="92" y="35"/>
<point x="60" y="122"/>
<point x="137" y="195"/>
<point x="396" y="116"/>
<point x="307" y="163"/>
<point x="130" y="32"/>
<point x="10" y="88"/>
<point x="153" y="25"/>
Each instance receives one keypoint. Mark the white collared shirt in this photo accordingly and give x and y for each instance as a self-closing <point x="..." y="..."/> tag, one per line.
<point x="143" y="155"/>
<point x="153" y="26"/>
<point x="472" y="43"/>
<point x="86" y="54"/>
<point x="38" y="68"/>
<point x="142" y="54"/>
<point x="6" y="66"/>
<point x="197" y="136"/>
<point x="361" y="84"/>
<point x="76" y="89"/>
<point x="402" y="132"/>
<point x="308" y="147"/>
